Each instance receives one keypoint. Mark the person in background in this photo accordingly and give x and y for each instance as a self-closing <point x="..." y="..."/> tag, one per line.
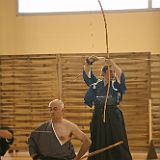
<point x="6" y="139"/>
<point x="52" y="139"/>
<point x="110" y="129"/>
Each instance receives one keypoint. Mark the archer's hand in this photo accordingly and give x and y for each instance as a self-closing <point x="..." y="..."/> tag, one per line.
<point x="108" y="62"/>
<point x="90" y="60"/>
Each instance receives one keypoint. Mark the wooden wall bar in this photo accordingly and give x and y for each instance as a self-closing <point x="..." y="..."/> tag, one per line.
<point x="155" y="97"/>
<point x="29" y="82"/>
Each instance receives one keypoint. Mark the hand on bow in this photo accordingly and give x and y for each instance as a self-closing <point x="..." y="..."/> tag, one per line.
<point x="90" y="60"/>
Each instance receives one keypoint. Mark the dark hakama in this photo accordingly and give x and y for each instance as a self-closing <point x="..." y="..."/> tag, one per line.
<point x="44" y="142"/>
<point x="112" y="130"/>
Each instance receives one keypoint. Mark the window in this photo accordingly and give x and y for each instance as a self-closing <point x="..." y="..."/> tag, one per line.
<point x="54" y="6"/>
<point x="155" y="3"/>
<point x="126" y="4"/>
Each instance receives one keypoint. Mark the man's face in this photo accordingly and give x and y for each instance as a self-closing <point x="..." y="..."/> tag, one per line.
<point x="55" y="110"/>
<point x="112" y="74"/>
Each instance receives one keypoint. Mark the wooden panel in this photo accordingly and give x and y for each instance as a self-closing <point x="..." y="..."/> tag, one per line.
<point x="27" y="84"/>
<point x="155" y="95"/>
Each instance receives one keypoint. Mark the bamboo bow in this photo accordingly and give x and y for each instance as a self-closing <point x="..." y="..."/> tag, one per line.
<point x="107" y="48"/>
<point x="102" y="150"/>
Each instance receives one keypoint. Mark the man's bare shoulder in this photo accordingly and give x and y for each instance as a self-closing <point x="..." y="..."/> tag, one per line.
<point x="70" y="124"/>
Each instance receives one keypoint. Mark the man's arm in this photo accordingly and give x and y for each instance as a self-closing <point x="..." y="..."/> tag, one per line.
<point x="5" y="134"/>
<point x="120" y="77"/>
<point x="115" y="68"/>
<point x="89" y="62"/>
<point x="87" y="69"/>
<point x="32" y="146"/>
<point x="83" y="138"/>
<point x="88" y="76"/>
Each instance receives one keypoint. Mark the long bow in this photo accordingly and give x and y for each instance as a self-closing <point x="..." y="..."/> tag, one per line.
<point x="107" y="49"/>
<point x="102" y="150"/>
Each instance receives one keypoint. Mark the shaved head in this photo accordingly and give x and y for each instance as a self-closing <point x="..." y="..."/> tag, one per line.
<point x="56" y="102"/>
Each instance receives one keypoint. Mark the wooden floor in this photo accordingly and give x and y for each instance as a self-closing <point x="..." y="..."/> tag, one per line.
<point x="25" y="156"/>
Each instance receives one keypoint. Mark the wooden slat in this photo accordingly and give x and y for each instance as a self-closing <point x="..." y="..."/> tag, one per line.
<point x="155" y="94"/>
<point x="28" y="83"/>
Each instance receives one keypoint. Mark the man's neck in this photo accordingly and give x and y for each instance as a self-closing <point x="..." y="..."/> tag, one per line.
<point x="57" y="119"/>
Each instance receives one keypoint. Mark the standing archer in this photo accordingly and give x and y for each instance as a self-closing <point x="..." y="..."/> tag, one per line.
<point x="110" y="129"/>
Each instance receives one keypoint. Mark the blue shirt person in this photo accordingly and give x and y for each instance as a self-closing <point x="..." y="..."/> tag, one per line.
<point x="111" y="129"/>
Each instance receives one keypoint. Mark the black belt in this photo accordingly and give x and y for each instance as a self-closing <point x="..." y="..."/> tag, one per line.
<point x="108" y="106"/>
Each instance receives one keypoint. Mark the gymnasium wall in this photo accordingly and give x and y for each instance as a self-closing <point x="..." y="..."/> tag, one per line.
<point x="36" y="49"/>
<point x="77" y="33"/>
<point x="29" y="82"/>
